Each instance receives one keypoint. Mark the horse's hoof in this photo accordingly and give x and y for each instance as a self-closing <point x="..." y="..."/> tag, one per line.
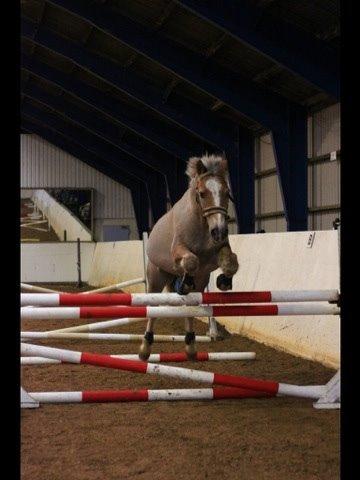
<point x="184" y="285"/>
<point x="144" y="351"/>
<point x="224" y="283"/>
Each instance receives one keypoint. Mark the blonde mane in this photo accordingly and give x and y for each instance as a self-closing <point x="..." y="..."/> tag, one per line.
<point x="211" y="164"/>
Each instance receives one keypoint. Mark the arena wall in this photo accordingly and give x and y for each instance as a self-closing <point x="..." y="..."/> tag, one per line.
<point x="281" y="261"/>
<point x="54" y="262"/>
<point x="271" y="261"/>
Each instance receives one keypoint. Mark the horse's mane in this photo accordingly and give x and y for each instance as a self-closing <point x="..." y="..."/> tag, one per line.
<point x="213" y="164"/>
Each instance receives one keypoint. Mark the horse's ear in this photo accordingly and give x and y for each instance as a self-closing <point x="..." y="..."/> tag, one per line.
<point x="195" y="167"/>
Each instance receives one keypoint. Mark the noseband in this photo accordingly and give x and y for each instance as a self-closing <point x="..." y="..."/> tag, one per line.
<point x="206" y="212"/>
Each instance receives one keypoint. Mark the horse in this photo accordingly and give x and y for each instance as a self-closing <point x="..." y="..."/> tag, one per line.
<point x="191" y="240"/>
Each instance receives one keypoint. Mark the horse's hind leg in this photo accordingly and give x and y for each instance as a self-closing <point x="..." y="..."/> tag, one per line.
<point x="190" y="346"/>
<point x="157" y="279"/>
<point x="190" y="337"/>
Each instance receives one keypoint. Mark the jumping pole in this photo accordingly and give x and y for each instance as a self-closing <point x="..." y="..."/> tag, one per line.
<point x="115" y="286"/>
<point x="90" y="327"/>
<point x="270" y="387"/>
<point x="145" y="395"/>
<point x="174" y="299"/>
<point x="116" y="337"/>
<point x="159" y="357"/>
<point x="76" y="313"/>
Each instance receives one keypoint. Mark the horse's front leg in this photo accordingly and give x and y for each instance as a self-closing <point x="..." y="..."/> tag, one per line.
<point x="227" y="261"/>
<point x="186" y="265"/>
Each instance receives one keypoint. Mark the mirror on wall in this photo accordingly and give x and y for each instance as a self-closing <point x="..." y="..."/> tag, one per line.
<point x="56" y="214"/>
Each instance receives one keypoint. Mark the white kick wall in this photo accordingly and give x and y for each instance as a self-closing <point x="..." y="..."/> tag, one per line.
<point x="288" y="261"/>
<point x="45" y="166"/>
<point x="272" y="261"/>
<point x="55" y="262"/>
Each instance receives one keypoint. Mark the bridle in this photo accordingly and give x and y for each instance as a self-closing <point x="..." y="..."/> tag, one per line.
<point x="206" y="212"/>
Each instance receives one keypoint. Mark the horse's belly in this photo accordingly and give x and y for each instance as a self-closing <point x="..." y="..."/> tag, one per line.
<point x="159" y="245"/>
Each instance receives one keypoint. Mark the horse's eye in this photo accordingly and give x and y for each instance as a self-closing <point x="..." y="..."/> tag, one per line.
<point x="202" y="194"/>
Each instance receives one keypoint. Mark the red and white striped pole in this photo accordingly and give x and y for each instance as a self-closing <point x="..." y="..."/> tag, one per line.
<point x="169" y="298"/>
<point x="266" y="386"/>
<point x="159" y="357"/>
<point x="76" y="313"/>
<point x="146" y="395"/>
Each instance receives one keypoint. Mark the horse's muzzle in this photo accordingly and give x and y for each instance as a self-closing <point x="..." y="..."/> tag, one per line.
<point x="219" y="234"/>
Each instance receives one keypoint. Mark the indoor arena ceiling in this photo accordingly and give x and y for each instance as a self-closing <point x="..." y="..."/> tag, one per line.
<point x="196" y="29"/>
<point x="167" y="79"/>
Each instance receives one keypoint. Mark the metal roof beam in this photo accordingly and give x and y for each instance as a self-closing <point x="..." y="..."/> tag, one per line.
<point x="165" y="15"/>
<point x="239" y="158"/>
<point x="254" y="102"/>
<point x="192" y="118"/>
<point x="214" y="47"/>
<point x="105" y="104"/>
<point x="299" y="52"/>
<point x="106" y="131"/>
<point x="137" y="189"/>
<point x="170" y="88"/>
<point x="155" y="183"/>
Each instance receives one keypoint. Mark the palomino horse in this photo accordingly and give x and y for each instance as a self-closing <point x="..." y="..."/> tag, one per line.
<point x="191" y="240"/>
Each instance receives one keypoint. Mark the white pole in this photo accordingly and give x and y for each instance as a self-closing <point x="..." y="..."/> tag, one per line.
<point x="117" y="337"/>
<point x="116" y="286"/>
<point x="34" y="288"/>
<point x="91" y="327"/>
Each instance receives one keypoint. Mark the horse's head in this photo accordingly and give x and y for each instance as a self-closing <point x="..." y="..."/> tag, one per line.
<point x="209" y="179"/>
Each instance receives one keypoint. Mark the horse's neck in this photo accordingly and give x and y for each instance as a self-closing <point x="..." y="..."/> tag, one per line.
<point x="190" y="208"/>
<point x="190" y="221"/>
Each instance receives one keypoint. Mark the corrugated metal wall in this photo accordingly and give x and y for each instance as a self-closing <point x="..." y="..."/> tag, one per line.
<point x="43" y="165"/>
<point x="324" y="198"/>
<point x="324" y="176"/>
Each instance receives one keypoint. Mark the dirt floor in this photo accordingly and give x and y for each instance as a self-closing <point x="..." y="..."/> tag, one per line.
<point x="32" y="234"/>
<point x="252" y="439"/>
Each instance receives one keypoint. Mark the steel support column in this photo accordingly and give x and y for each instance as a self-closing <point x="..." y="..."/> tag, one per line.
<point x="290" y="149"/>
<point x="241" y="159"/>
